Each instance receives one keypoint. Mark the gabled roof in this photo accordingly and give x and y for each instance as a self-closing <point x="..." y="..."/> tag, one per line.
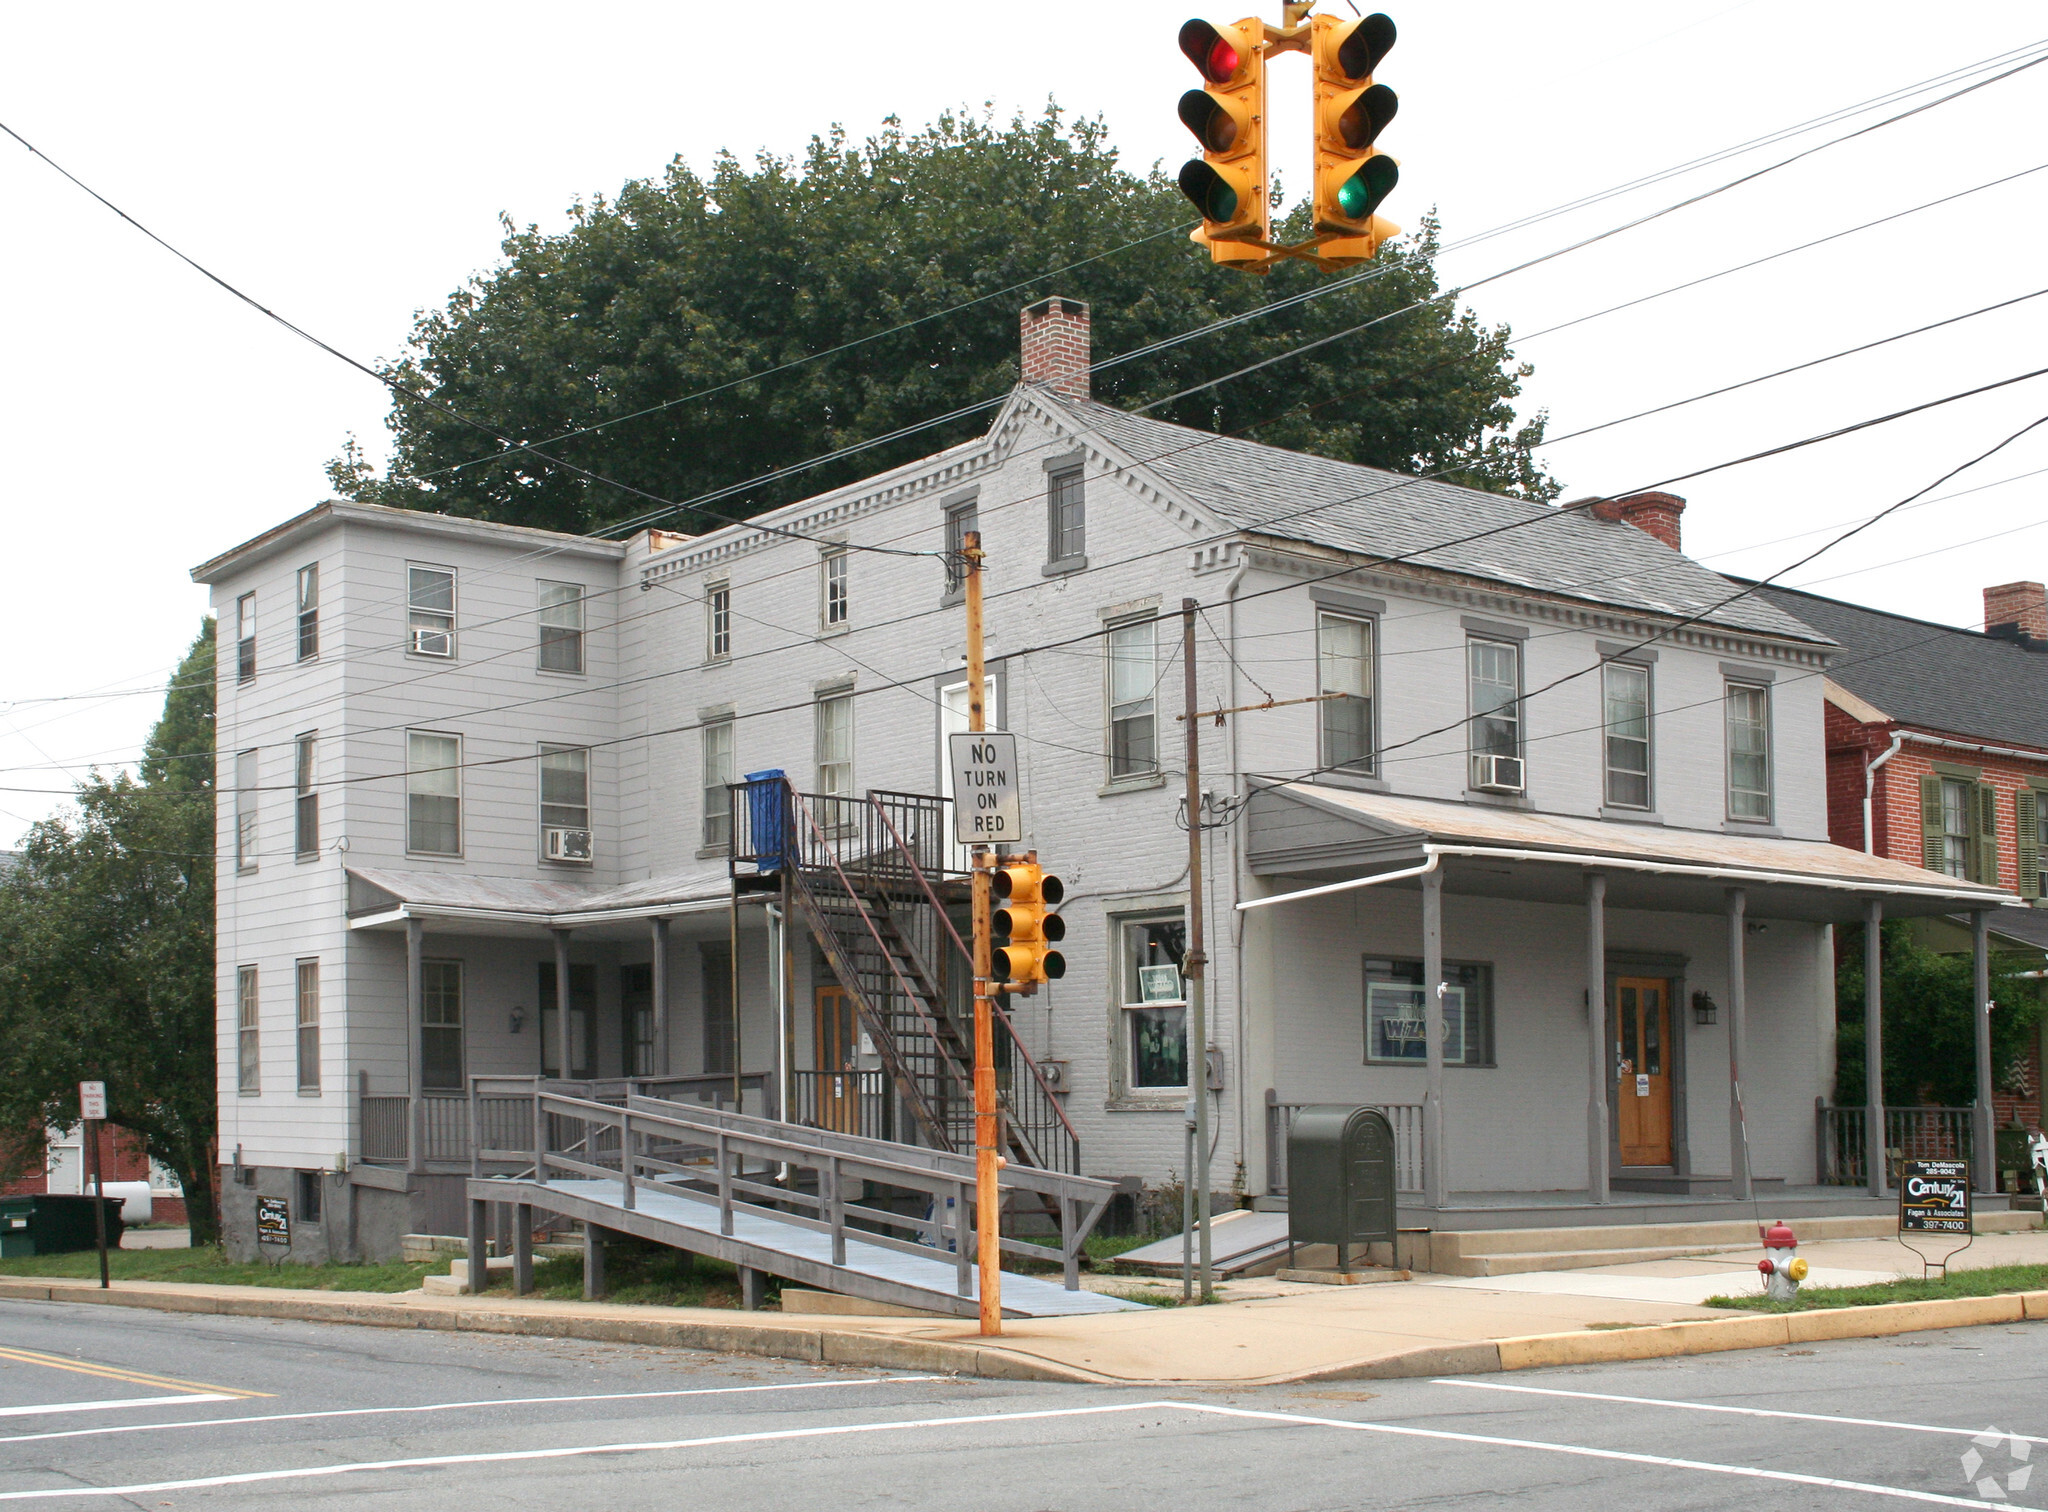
<point x="1289" y="495"/>
<point x="1936" y="677"/>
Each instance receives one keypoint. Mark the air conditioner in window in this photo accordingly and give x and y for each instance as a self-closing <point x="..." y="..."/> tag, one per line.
<point x="1497" y="774"/>
<point x="427" y="642"/>
<point x="566" y="844"/>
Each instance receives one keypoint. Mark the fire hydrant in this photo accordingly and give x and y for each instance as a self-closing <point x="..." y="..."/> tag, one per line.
<point x="1783" y="1269"/>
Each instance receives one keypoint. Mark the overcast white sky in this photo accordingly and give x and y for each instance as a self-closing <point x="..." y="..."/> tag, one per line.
<point x="347" y="165"/>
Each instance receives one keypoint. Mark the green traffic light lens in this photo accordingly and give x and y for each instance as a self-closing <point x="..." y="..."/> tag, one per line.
<point x="1362" y="193"/>
<point x="1207" y="188"/>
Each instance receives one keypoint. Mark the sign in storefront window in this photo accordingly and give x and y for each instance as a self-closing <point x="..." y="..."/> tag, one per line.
<point x="1154" y="1003"/>
<point x="1396" y="1012"/>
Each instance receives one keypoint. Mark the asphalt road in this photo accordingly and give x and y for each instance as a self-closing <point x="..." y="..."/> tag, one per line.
<point x="109" y="1407"/>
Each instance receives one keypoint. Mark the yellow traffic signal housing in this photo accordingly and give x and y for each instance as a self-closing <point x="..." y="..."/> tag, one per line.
<point x="1026" y="933"/>
<point x="1228" y="117"/>
<point x="1351" y="177"/>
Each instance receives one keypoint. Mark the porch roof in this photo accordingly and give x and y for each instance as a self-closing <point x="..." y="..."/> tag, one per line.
<point x="380" y="899"/>
<point x="1515" y="853"/>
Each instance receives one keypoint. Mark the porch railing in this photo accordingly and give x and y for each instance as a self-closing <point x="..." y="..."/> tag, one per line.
<point x="1842" y="1140"/>
<point x="1405" y="1117"/>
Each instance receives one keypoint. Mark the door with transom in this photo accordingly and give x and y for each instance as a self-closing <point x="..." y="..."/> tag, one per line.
<point x="1642" y="1063"/>
<point x="837" y="1047"/>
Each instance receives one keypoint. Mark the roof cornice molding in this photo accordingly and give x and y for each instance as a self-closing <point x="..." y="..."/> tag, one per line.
<point x="342" y="512"/>
<point x="1456" y="589"/>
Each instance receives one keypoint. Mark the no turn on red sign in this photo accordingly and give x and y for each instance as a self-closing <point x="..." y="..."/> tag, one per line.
<point x="986" y="807"/>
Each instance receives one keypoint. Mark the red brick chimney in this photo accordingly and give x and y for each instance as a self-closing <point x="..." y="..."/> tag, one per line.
<point x="2017" y="611"/>
<point x="1056" y="346"/>
<point x="1652" y="513"/>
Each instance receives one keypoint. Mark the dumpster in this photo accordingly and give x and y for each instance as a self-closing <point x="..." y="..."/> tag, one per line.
<point x="1340" y="1178"/>
<point x="53" y="1223"/>
<point x="767" y="819"/>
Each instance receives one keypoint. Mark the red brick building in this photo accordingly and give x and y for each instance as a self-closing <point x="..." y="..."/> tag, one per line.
<point x="1937" y="752"/>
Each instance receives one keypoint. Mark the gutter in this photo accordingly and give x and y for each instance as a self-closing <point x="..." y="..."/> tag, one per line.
<point x="1981" y="750"/>
<point x="541" y="920"/>
<point x="1869" y="781"/>
<point x="1345" y="886"/>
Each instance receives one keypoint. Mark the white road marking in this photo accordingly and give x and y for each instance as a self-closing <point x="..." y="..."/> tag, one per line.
<point x="339" y="1412"/>
<point x="1769" y="1412"/>
<point x="844" y="1429"/>
<point x="154" y="1401"/>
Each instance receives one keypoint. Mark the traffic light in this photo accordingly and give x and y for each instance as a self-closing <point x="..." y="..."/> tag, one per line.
<point x="1228" y="117"/>
<point x="1024" y="932"/>
<point x="1351" y="178"/>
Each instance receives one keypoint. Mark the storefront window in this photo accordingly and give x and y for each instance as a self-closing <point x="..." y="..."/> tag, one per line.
<point x="1396" y="1005"/>
<point x="1154" y="1007"/>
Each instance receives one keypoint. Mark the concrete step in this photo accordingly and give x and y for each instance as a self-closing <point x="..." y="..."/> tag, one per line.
<point x="456" y="1282"/>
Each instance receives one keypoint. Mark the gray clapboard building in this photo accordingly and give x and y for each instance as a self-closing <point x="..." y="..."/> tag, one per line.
<point x="485" y="811"/>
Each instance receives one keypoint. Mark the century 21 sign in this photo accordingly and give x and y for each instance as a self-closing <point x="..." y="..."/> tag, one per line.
<point x="986" y="806"/>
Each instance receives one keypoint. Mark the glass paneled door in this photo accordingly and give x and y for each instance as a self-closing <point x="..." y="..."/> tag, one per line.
<point x="837" y="1052"/>
<point x="1642" y="1064"/>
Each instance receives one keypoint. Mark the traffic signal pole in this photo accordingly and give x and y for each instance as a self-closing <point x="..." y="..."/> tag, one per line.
<point x="988" y="1233"/>
<point x="1193" y="964"/>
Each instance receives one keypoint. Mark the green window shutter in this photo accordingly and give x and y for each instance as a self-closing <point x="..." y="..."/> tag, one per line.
<point x="1986" y="847"/>
<point x="2026" y="813"/>
<point x="1932" y="851"/>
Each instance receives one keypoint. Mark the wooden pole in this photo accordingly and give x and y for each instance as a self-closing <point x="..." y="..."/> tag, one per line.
<point x="1196" y="959"/>
<point x="99" y="1194"/>
<point x="988" y="1233"/>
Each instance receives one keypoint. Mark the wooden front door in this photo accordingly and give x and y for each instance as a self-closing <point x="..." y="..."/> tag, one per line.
<point x="837" y="1047"/>
<point x="1643" y="1070"/>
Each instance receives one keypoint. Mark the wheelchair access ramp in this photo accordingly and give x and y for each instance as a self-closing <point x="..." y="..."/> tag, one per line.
<point x="819" y="1208"/>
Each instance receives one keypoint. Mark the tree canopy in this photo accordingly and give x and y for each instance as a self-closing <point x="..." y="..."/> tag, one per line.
<point x="719" y="289"/>
<point x="106" y="951"/>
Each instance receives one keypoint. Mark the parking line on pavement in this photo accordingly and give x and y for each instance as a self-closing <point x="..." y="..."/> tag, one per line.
<point x="155" y="1401"/>
<point x="116" y="1372"/>
<point x="511" y="1456"/>
<point x="1769" y="1412"/>
<point x="342" y="1412"/>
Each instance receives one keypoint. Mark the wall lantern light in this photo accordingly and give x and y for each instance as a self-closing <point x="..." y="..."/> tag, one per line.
<point x="1704" y="1009"/>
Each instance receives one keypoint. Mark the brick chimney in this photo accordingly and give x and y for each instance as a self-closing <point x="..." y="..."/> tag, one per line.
<point x="2017" y="612"/>
<point x="1056" y="346"/>
<point x="1652" y="513"/>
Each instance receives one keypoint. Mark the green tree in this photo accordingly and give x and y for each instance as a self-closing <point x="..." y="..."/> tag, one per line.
<point x="106" y="950"/>
<point x="680" y="285"/>
<point x="1930" y="1033"/>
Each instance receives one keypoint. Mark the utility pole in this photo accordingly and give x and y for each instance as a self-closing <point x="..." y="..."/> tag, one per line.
<point x="988" y="1234"/>
<point x="1196" y="959"/>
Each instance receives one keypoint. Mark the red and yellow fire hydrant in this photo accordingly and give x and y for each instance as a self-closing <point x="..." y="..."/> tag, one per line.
<point x="1783" y="1269"/>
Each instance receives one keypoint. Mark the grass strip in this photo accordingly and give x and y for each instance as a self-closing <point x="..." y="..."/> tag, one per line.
<point x="211" y="1267"/>
<point x="1987" y="1281"/>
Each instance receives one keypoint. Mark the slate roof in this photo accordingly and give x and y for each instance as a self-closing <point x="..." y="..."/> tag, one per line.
<point x="1961" y="682"/>
<point x="1294" y="496"/>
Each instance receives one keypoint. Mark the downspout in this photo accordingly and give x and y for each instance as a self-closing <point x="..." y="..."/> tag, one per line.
<point x="1869" y="784"/>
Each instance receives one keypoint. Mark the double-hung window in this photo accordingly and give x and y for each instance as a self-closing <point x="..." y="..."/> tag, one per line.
<point x="565" y="803"/>
<point x="717" y="748"/>
<point x="1625" y="699"/>
<point x="2030" y="832"/>
<point x="1152" y="1002"/>
<point x="309" y="611"/>
<point x="718" y="621"/>
<point x="1344" y="673"/>
<point x="834" y="606"/>
<point x="1749" y="751"/>
<point x="441" y="1026"/>
<point x="305" y="799"/>
<point x="561" y="627"/>
<point x="1958" y="826"/>
<point x="1133" y="680"/>
<point x="433" y="793"/>
<point x="245" y="638"/>
<point x="245" y="810"/>
<point x="248" y="1046"/>
<point x="1066" y="516"/>
<point x="309" y="1025"/>
<point x="962" y="520"/>
<point x="430" y="613"/>
<point x="1494" y="687"/>
<point x="835" y="744"/>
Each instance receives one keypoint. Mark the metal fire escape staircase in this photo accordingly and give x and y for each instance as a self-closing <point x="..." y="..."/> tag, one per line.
<point x="867" y="875"/>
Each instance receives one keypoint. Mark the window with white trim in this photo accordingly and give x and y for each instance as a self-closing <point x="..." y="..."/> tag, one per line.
<point x="308" y="993"/>
<point x="834" y="607"/>
<point x="1749" y="751"/>
<point x="835" y="744"/>
<point x="433" y="793"/>
<point x="430" y="610"/>
<point x="248" y="1046"/>
<point x="1344" y="677"/>
<point x="565" y="801"/>
<point x="245" y="810"/>
<point x="245" y="638"/>
<point x="1133" y="683"/>
<point x="1625" y="700"/>
<point x="1494" y="681"/>
<point x="305" y="799"/>
<point x="309" y="611"/>
<point x="561" y="627"/>
<point x="716" y="737"/>
<point x="718" y="621"/>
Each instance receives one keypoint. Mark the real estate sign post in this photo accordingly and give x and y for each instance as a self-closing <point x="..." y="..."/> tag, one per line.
<point x="92" y="1112"/>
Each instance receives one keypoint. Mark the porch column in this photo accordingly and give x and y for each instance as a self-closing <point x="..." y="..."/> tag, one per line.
<point x="659" y="987"/>
<point x="564" y="1065"/>
<point x="1434" y="1177"/>
<point x="1738" y="1039"/>
<point x="415" y="1107"/>
<point x="1980" y="959"/>
<point x="1873" y="1046"/>
<point x="1597" y="1071"/>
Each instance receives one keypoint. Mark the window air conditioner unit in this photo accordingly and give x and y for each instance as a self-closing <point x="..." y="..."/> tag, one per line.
<point x="426" y="642"/>
<point x="1497" y="774"/>
<point x="566" y="844"/>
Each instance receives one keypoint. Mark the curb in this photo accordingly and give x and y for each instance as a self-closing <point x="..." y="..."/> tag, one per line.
<point x="844" y="1346"/>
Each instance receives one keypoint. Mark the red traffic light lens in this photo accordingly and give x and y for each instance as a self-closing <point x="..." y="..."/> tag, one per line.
<point x="1361" y="125"/>
<point x="1210" y="51"/>
<point x="1214" y="127"/>
<point x="1222" y="61"/>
